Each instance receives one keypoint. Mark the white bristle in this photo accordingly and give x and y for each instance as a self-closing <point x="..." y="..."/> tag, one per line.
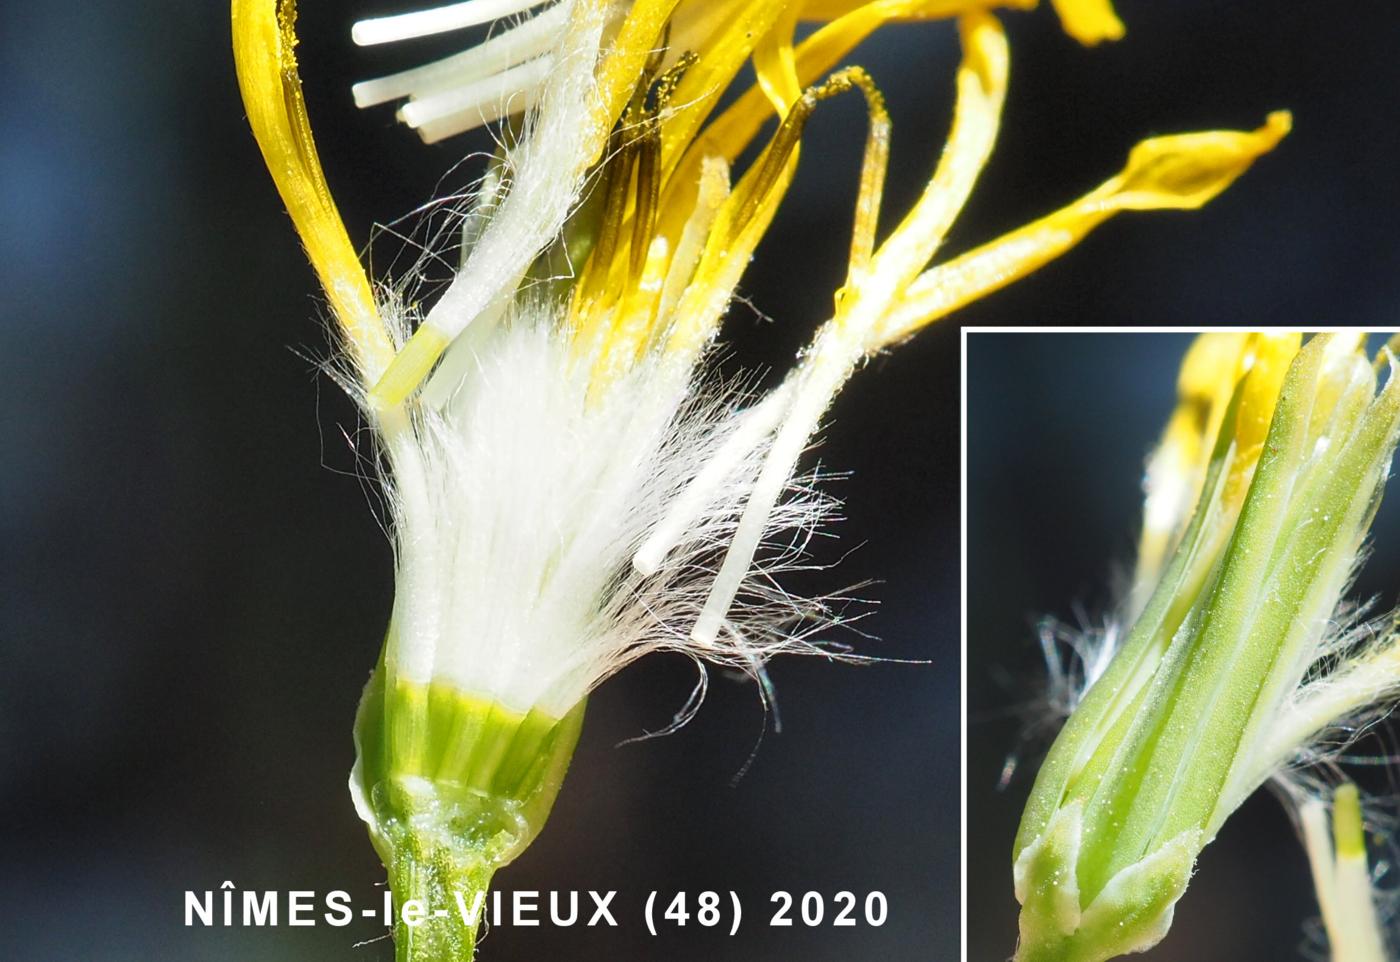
<point x="519" y="506"/>
<point x="425" y="23"/>
<point x="501" y="52"/>
<point x="757" y="424"/>
<point x="477" y="103"/>
<point x="817" y="381"/>
<point x="546" y="179"/>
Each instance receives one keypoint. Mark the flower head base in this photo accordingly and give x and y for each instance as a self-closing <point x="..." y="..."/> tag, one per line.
<point x="1230" y="670"/>
<point x="569" y="488"/>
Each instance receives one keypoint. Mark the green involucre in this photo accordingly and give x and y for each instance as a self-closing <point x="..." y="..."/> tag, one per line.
<point x="1164" y="745"/>
<point x="452" y="787"/>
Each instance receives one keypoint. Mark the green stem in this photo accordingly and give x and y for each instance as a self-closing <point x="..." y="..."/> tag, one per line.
<point x="428" y="879"/>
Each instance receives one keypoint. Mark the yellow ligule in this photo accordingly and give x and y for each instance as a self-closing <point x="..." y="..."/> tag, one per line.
<point x="726" y="255"/>
<point x="775" y="64"/>
<point x="1218" y="364"/>
<point x="602" y="282"/>
<point x="721" y="56"/>
<point x="710" y="195"/>
<point x="824" y="10"/>
<point x="263" y="49"/>
<point x="875" y="279"/>
<point x="1204" y="386"/>
<point x="1263" y="366"/>
<point x="1207" y="376"/>
<point x="634" y="319"/>
<point x="765" y="30"/>
<point x="1089" y="21"/>
<point x="617" y="75"/>
<point x="744" y="216"/>
<point x="1176" y="470"/>
<point x="1179" y="172"/>
<point x="981" y="83"/>
<point x="1184" y="171"/>
<point x="874" y="166"/>
<point x="736" y="127"/>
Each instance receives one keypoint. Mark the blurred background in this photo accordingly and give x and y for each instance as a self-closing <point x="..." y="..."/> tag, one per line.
<point x="194" y="587"/>
<point x="1058" y="429"/>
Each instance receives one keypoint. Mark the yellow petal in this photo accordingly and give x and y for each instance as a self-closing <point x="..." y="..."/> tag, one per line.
<point x="633" y="320"/>
<point x="981" y="84"/>
<point x="731" y="242"/>
<point x="727" y="136"/>
<point x="1217" y="364"/>
<point x="1266" y="361"/>
<point x="1184" y="171"/>
<point x="1166" y="173"/>
<point x="871" y="293"/>
<point x="1207" y="376"/>
<point x="746" y="213"/>
<point x="1089" y="21"/>
<point x="263" y="51"/>
<point x="711" y="192"/>
<point x="775" y="64"/>
<point x="851" y="23"/>
<point x="722" y="54"/>
<point x="622" y="68"/>
<point x="905" y="9"/>
<point x="1176" y="470"/>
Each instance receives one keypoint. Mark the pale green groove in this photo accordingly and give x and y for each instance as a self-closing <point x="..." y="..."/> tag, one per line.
<point x="1311" y="570"/>
<point x="1284" y="620"/>
<point x="452" y="786"/>
<point x="1345" y="499"/>
<point x="1126" y="813"/>
<point x="1135" y="663"/>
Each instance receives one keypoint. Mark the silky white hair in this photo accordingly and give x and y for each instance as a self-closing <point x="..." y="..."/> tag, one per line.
<point x="519" y="505"/>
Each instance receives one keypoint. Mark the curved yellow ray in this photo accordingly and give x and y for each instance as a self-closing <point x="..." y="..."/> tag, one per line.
<point x="1089" y="21"/>
<point x="264" y="42"/>
<point x="1179" y="172"/>
<point x="981" y="82"/>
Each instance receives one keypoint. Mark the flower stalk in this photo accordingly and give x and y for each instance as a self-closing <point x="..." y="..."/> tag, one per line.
<point x="1229" y="670"/>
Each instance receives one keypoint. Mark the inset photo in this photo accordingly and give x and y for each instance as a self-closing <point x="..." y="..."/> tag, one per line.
<point x="1182" y="556"/>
